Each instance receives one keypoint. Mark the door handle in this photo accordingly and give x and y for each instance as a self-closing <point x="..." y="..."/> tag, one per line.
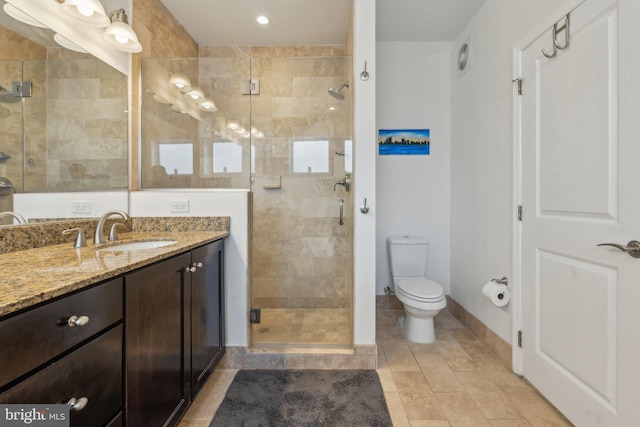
<point x="632" y="248"/>
<point x="341" y="212"/>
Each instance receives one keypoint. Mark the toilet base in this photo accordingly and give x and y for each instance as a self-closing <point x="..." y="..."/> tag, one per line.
<point x="417" y="329"/>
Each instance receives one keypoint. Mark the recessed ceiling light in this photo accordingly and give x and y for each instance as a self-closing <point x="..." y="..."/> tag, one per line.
<point x="262" y="20"/>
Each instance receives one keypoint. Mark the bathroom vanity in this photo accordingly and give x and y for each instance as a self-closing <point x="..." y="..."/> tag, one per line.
<point x="122" y="337"/>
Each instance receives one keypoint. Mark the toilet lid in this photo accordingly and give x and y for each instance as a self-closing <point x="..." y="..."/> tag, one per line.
<point x="421" y="288"/>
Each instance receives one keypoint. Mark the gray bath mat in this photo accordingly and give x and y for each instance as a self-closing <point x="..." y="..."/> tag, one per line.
<point x="264" y="398"/>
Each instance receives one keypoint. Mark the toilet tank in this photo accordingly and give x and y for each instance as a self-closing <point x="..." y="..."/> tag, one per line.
<point x="408" y="256"/>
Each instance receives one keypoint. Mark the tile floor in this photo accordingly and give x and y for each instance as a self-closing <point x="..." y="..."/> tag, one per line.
<point x="454" y="382"/>
<point x="328" y="328"/>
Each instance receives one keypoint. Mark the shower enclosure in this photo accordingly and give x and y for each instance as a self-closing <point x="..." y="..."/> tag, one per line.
<point x="302" y="257"/>
<point x="273" y="128"/>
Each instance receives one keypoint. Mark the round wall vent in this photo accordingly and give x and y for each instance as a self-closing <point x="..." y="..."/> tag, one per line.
<point x="464" y="58"/>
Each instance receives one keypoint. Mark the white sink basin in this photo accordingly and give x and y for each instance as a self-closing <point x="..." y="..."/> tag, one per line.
<point x="138" y="246"/>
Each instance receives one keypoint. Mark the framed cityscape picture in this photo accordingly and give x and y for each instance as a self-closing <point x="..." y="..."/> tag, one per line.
<point x="403" y="142"/>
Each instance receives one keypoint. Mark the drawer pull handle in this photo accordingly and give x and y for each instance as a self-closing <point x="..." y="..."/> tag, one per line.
<point x="194" y="267"/>
<point x="77" y="404"/>
<point x="77" y="321"/>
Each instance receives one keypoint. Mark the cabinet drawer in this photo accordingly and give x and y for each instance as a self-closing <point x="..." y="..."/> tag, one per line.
<point x="93" y="371"/>
<point x="30" y="339"/>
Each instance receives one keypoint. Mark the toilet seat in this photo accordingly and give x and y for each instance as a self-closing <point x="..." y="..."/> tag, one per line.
<point x="420" y="289"/>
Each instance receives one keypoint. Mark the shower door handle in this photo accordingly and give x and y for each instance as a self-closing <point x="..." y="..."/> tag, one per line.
<point x="341" y="211"/>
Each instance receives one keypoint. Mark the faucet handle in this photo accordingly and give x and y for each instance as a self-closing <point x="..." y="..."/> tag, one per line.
<point x="113" y="234"/>
<point x="81" y="241"/>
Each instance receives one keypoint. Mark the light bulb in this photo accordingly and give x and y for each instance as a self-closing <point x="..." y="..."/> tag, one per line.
<point x="121" y="39"/>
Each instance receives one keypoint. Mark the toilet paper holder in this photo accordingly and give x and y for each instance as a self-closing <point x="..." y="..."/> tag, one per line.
<point x="502" y="281"/>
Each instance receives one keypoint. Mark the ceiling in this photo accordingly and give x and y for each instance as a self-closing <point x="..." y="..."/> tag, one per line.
<point x="423" y="20"/>
<point x="317" y="22"/>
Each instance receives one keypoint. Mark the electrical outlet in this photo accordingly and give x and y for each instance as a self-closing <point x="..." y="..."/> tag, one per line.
<point x="80" y="207"/>
<point x="179" y="206"/>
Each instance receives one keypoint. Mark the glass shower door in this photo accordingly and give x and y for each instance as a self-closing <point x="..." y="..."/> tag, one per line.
<point x="11" y="117"/>
<point x="301" y="220"/>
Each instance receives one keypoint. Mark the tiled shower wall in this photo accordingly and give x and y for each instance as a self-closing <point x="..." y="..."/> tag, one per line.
<point x="86" y="126"/>
<point x="301" y="254"/>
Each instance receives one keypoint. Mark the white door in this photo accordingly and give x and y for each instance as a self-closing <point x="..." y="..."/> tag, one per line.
<point x="581" y="187"/>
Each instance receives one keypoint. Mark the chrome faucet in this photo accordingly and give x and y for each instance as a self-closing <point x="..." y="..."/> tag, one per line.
<point x="346" y="183"/>
<point x="16" y="215"/>
<point x="98" y="237"/>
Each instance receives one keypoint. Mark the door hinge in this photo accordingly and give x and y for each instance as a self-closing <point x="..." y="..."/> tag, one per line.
<point x="250" y="87"/>
<point x="519" y="212"/>
<point x="519" y="82"/>
<point x="22" y="89"/>
<point x="254" y="315"/>
<point x="520" y="339"/>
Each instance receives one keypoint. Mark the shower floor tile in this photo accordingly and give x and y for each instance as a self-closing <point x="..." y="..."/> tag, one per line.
<point x="303" y="327"/>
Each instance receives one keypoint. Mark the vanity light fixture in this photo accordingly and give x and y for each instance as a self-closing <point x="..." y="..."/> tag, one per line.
<point x="119" y="35"/>
<point x="19" y="15"/>
<point x="208" y="105"/>
<point x="66" y="43"/>
<point x="195" y="93"/>
<point x="87" y="11"/>
<point x="263" y="20"/>
<point x="180" y="81"/>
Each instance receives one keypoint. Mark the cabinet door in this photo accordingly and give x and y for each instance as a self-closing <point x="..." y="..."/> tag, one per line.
<point x="207" y="311"/>
<point x="156" y="343"/>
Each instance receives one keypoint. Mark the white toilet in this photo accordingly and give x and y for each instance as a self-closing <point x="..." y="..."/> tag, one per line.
<point x="422" y="298"/>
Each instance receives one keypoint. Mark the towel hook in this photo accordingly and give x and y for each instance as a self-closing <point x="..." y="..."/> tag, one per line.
<point x="555" y="30"/>
<point x="364" y="76"/>
<point x="555" y="49"/>
<point x="564" y="28"/>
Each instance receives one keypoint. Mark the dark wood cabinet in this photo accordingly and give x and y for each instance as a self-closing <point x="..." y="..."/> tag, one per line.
<point x="207" y="312"/>
<point x="69" y="348"/>
<point x="165" y="322"/>
<point x="157" y="301"/>
<point x="92" y="372"/>
<point x="174" y="323"/>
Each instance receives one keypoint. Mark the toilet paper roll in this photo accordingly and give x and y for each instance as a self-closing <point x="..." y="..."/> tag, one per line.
<point x="497" y="293"/>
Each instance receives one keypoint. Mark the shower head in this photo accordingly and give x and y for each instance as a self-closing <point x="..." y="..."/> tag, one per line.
<point x="337" y="93"/>
<point x="7" y="97"/>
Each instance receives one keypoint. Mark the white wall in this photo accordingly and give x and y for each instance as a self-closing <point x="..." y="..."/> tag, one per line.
<point x="79" y="205"/>
<point x="482" y="167"/>
<point x="231" y="203"/>
<point x="413" y="192"/>
<point x="364" y="173"/>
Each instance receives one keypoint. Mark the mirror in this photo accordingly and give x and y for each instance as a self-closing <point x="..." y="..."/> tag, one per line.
<point x="63" y="127"/>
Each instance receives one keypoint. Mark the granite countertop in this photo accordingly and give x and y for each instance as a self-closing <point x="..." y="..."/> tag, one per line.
<point x="35" y="275"/>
